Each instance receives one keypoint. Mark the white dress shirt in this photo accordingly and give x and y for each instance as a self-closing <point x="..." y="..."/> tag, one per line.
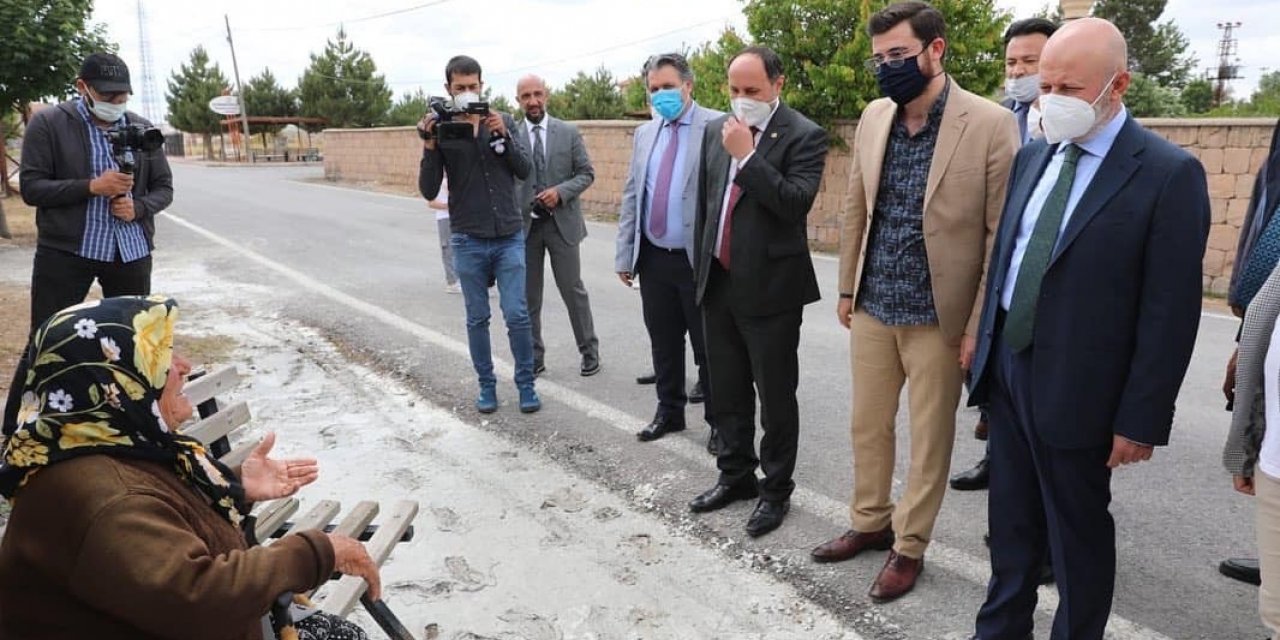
<point x="733" y="173"/>
<point x="1092" y="153"/>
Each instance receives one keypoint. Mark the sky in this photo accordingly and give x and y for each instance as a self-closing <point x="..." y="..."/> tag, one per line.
<point x="410" y="40"/>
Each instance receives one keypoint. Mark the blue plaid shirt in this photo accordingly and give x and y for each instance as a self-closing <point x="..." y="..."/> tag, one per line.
<point x="897" y="288"/>
<point x="103" y="232"/>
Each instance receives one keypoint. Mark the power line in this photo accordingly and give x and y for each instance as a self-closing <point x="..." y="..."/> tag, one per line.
<point x="375" y="16"/>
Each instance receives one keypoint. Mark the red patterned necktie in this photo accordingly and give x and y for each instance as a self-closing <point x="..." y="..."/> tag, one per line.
<point x="735" y="192"/>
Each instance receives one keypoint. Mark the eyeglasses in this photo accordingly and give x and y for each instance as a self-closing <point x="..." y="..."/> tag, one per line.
<point x="895" y="59"/>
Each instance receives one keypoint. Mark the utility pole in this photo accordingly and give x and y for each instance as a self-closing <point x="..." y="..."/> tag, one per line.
<point x="244" y="114"/>
<point x="150" y="102"/>
<point x="1228" y="63"/>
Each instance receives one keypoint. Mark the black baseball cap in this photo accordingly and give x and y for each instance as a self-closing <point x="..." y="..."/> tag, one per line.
<point x="106" y="73"/>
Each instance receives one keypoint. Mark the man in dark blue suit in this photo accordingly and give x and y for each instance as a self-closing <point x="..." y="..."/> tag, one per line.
<point x="1087" y="330"/>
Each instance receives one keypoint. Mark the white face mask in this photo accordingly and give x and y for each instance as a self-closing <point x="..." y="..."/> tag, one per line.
<point x="751" y="112"/>
<point x="1033" y="123"/>
<point x="1025" y="89"/>
<point x="1065" y="118"/>
<point x="464" y="99"/>
<point x="106" y="111"/>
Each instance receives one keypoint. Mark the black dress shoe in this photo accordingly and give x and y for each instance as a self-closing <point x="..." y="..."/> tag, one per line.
<point x="713" y="442"/>
<point x="697" y="395"/>
<point x="661" y="426"/>
<point x="975" y="479"/>
<point x="648" y="378"/>
<point x="767" y="517"/>
<point x="723" y="495"/>
<point x="1242" y="569"/>
<point x="539" y="368"/>
<point x="590" y="366"/>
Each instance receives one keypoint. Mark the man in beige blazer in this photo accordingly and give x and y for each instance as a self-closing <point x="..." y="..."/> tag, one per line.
<point x="926" y="189"/>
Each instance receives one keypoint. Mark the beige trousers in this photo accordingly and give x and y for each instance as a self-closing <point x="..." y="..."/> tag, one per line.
<point x="1267" y="497"/>
<point x="884" y="358"/>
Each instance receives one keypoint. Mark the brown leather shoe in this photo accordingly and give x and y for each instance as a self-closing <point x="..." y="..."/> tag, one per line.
<point x="851" y="543"/>
<point x="897" y="578"/>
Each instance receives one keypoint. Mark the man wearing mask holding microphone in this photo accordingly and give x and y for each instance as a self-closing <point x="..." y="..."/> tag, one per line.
<point x="761" y="168"/>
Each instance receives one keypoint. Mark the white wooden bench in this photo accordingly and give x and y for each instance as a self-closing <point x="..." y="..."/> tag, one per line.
<point x="217" y="427"/>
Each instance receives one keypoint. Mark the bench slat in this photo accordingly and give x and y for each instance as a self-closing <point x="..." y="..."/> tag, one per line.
<point x="272" y="515"/>
<point x="359" y="518"/>
<point x="210" y="385"/>
<point x="238" y="455"/>
<point x="344" y="595"/>
<point x="318" y="516"/>
<point x="220" y="423"/>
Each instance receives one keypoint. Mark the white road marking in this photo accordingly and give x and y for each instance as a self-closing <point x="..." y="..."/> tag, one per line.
<point x="971" y="567"/>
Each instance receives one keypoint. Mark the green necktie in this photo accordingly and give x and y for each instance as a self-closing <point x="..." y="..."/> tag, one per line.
<point x="1019" y="325"/>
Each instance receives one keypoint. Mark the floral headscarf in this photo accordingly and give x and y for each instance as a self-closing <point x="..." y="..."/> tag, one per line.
<point x="92" y="386"/>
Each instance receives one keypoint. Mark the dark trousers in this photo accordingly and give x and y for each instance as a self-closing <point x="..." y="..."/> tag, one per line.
<point x="1042" y="496"/>
<point x="666" y="294"/>
<point x="60" y="280"/>
<point x="750" y="355"/>
<point x="566" y="267"/>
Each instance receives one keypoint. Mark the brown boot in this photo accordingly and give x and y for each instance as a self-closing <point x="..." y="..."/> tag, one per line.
<point x="851" y="543"/>
<point x="897" y="578"/>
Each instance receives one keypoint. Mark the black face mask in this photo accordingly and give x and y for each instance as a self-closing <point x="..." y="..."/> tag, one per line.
<point x="904" y="84"/>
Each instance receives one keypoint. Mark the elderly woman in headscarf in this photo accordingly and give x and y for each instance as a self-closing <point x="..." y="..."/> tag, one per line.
<point x="124" y="528"/>
<point x="1252" y="451"/>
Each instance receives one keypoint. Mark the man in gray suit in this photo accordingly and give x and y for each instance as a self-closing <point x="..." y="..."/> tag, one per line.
<point x="553" y="220"/>
<point x="656" y="235"/>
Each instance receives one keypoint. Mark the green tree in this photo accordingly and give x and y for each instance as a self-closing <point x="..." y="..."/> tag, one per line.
<point x="635" y="95"/>
<point x="1266" y="100"/>
<point x="1158" y="50"/>
<point x="710" y="64"/>
<point x="343" y="86"/>
<point x="191" y="88"/>
<point x="588" y="97"/>
<point x="263" y="96"/>
<point x="501" y="103"/>
<point x="408" y="110"/>
<point x="824" y="45"/>
<point x="1148" y="99"/>
<point x="42" y="43"/>
<point x="1197" y="96"/>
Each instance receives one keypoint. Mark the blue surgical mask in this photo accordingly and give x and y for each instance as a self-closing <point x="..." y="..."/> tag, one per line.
<point x="669" y="103"/>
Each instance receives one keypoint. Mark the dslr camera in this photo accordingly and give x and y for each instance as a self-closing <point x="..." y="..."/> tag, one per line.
<point x="129" y="139"/>
<point x="444" y="111"/>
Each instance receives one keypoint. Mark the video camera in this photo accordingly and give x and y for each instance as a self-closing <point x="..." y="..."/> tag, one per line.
<point x="127" y="140"/>
<point x="445" y="110"/>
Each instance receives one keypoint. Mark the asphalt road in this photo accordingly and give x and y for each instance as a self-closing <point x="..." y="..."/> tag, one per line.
<point x="365" y="268"/>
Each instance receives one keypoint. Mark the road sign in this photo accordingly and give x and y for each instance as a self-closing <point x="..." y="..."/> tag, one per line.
<point x="225" y="105"/>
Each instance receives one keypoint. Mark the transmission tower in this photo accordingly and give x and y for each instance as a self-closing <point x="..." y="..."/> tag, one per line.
<point x="151" y="109"/>
<point x="1228" y="62"/>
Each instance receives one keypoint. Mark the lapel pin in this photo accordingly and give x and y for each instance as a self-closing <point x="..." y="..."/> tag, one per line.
<point x="774" y="134"/>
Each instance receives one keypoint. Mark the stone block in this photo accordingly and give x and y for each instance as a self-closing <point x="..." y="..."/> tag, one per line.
<point x="1237" y="209"/>
<point x="1220" y="285"/>
<point x="1257" y="157"/>
<point x="1212" y="159"/>
<point x="1222" y="237"/>
<point x="1214" y="260"/>
<point x="1218" y="210"/>
<point x="1222" y="185"/>
<point x="1244" y="185"/>
<point x="1181" y="136"/>
<point x="1242" y="136"/>
<point x="1212" y="137"/>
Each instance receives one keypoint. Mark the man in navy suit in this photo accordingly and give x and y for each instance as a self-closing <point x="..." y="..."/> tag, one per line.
<point x="1087" y="330"/>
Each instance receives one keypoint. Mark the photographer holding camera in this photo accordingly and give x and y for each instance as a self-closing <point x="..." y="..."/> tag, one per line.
<point x="483" y="160"/>
<point x="94" y="218"/>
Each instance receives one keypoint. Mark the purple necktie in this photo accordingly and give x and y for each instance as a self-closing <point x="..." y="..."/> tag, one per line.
<point x="658" y="209"/>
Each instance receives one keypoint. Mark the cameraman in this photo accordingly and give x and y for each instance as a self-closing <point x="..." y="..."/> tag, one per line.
<point x="487" y="228"/>
<point x="92" y="220"/>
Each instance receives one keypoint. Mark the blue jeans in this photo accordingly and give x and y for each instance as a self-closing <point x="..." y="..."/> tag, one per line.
<point x="477" y="261"/>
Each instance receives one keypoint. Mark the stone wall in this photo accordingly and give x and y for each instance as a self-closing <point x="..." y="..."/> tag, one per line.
<point x="1231" y="150"/>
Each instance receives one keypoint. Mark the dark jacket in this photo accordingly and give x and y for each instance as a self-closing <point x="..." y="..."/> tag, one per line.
<point x="56" y="171"/>
<point x="102" y="547"/>
<point x="771" y="270"/>
<point x="1119" y="304"/>
<point x="1260" y="211"/>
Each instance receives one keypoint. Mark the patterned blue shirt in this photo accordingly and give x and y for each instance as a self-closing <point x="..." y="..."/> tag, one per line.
<point x="897" y="288"/>
<point x="103" y="232"/>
